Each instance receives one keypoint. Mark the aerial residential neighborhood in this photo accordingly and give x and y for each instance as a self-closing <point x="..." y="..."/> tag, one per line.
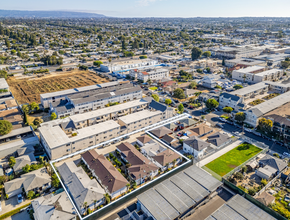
<point x="119" y="112"/>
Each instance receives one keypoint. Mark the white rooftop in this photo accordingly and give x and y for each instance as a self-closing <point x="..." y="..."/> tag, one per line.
<point x="138" y="116"/>
<point x="250" y="69"/>
<point x="3" y="84"/>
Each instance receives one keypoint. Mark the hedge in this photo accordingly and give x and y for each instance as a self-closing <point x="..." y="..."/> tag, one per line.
<point x="13" y="212"/>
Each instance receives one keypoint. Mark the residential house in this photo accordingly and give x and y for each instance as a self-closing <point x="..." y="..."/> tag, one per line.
<point x="273" y="162"/>
<point x="161" y="131"/>
<point x="22" y="161"/>
<point x="219" y="139"/>
<point x="195" y="146"/>
<point x="266" y="172"/>
<point x="53" y="207"/>
<point x="167" y="158"/>
<point x="140" y="168"/>
<point x="143" y="140"/>
<point x="82" y="189"/>
<point x="233" y="101"/>
<point x="37" y="181"/>
<point x="209" y="81"/>
<point x="113" y="182"/>
<point x="200" y="130"/>
<point x="171" y="140"/>
<point x="266" y="199"/>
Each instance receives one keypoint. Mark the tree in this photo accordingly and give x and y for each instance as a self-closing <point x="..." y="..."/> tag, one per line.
<point x="240" y="117"/>
<point x="211" y="104"/>
<point x="223" y="62"/>
<point x="264" y="182"/>
<point x="228" y="109"/>
<point x="30" y="194"/>
<point x="12" y="161"/>
<point x="5" y="127"/>
<point x="33" y="106"/>
<point x="26" y="168"/>
<point x="54" y="181"/>
<point x="41" y="160"/>
<point x="3" y="74"/>
<point x="25" y="109"/>
<point x="244" y="169"/>
<point x="276" y="155"/>
<point x="207" y="54"/>
<point x="143" y="57"/>
<point x="149" y="81"/>
<point x="244" y="77"/>
<point x="252" y="191"/>
<point x="238" y="86"/>
<point x="53" y="116"/>
<point x="195" y="53"/>
<point x="181" y="108"/>
<point x="239" y="176"/>
<point x="155" y="97"/>
<point x="218" y="87"/>
<point x="98" y="63"/>
<point x="37" y="121"/>
<point x="192" y="85"/>
<point x="179" y="93"/>
<point x="108" y="198"/>
<point x="265" y="124"/>
<point x="83" y="67"/>
<point x="168" y="101"/>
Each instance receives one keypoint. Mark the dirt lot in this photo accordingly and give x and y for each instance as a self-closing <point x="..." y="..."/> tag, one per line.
<point x="28" y="90"/>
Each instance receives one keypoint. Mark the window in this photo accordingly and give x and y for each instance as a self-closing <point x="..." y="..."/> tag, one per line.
<point x="91" y="142"/>
<point x="68" y="145"/>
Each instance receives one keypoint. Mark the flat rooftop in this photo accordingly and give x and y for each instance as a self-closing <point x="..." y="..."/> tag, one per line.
<point x="139" y="116"/>
<point x="108" y="110"/>
<point x="174" y="196"/>
<point x="16" y="132"/>
<point x="250" y="69"/>
<point x="267" y="72"/>
<point x="246" y="61"/>
<point x="249" y="89"/>
<point x="239" y="208"/>
<point x="55" y="136"/>
<point x="271" y="104"/>
<point x="3" y="83"/>
<point x="128" y="62"/>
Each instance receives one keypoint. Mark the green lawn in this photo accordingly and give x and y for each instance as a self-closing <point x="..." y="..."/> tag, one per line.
<point x="153" y="88"/>
<point x="233" y="158"/>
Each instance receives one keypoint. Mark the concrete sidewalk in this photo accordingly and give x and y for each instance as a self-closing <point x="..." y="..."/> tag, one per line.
<point x="219" y="153"/>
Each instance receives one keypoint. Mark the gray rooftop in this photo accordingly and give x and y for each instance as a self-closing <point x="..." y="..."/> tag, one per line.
<point x="16" y="132"/>
<point x="174" y="196"/>
<point x="271" y="104"/>
<point x="249" y="89"/>
<point x="3" y="84"/>
<point x="139" y="116"/>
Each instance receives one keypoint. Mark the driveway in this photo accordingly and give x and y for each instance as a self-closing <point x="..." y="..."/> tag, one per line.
<point x="24" y="215"/>
<point x="11" y="203"/>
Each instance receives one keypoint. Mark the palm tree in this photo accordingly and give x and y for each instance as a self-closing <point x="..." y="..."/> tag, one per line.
<point x="128" y="186"/>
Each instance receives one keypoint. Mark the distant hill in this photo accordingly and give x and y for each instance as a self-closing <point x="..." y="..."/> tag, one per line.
<point x="47" y="14"/>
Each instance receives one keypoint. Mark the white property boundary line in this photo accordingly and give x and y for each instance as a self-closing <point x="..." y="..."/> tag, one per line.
<point x="146" y="129"/>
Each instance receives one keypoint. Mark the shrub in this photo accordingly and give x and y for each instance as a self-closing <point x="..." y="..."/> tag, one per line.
<point x="74" y="134"/>
<point x="252" y="191"/>
<point x="5" y="127"/>
<point x="264" y="182"/>
<point x="238" y="175"/>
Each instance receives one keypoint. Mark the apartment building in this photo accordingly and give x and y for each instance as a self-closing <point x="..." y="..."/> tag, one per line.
<point x="4" y="87"/>
<point x="256" y="74"/>
<point x="154" y="74"/>
<point x="139" y="120"/>
<point x="246" y="62"/>
<point x="113" y="182"/>
<point x="205" y="63"/>
<point x="58" y="142"/>
<point x="253" y="114"/>
<point x="127" y="65"/>
<point x="235" y="52"/>
<point x="251" y="91"/>
<point x="141" y="168"/>
<point x="91" y="100"/>
<point x="279" y="87"/>
<point x="55" y="97"/>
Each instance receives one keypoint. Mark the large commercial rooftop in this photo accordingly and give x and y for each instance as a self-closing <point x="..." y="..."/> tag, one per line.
<point x="172" y="197"/>
<point x="239" y="208"/>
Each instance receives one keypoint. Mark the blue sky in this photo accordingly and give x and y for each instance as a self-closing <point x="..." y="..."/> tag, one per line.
<point x="161" y="8"/>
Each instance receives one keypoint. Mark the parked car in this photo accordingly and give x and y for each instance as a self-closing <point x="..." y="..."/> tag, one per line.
<point x="19" y="198"/>
<point x="219" y="125"/>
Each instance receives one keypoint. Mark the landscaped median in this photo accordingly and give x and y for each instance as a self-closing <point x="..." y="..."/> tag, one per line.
<point x="232" y="159"/>
<point x="13" y="212"/>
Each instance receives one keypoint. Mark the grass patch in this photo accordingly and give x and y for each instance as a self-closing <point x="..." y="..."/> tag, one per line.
<point x="256" y="102"/>
<point x="270" y="96"/>
<point x="13" y="212"/>
<point x="225" y="117"/>
<point x="232" y="159"/>
<point x="153" y="88"/>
